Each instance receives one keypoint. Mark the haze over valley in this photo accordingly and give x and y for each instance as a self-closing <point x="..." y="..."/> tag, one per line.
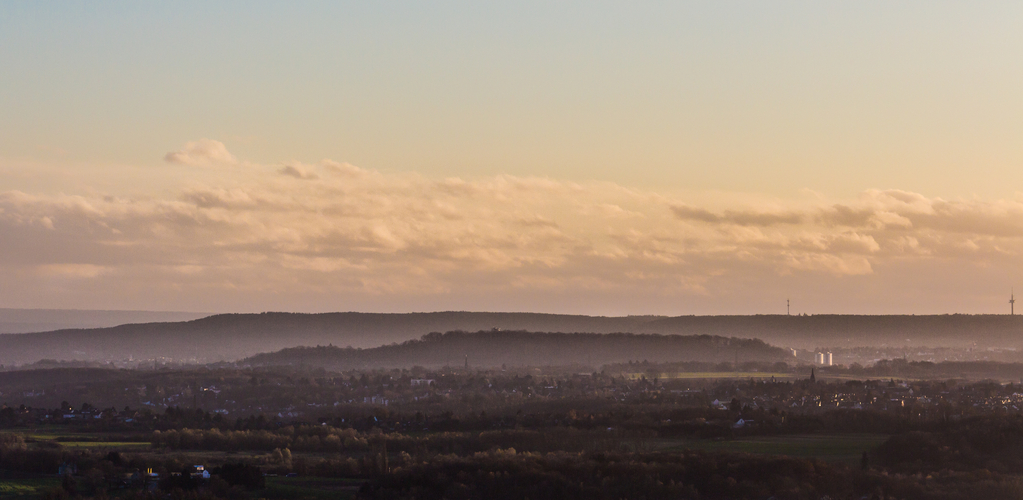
<point x="232" y="337"/>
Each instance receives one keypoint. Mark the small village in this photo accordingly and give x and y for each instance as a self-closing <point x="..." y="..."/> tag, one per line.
<point x="295" y="396"/>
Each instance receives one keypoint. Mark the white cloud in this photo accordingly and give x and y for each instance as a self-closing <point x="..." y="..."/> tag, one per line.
<point x="203" y="152"/>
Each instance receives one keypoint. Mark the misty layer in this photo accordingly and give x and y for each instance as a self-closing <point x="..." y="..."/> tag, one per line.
<point x="229" y="337"/>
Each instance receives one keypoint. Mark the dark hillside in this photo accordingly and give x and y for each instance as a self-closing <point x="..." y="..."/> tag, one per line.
<point x="45" y="378"/>
<point x="47" y="320"/>
<point x="807" y="332"/>
<point x="485" y="349"/>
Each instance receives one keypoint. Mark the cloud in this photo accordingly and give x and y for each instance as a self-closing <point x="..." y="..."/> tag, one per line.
<point x="341" y="168"/>
<point x="739" y="217"/>
<point x="538" y="221"/>
<point x="72" y="270"/>
<point x="298" y="171"/>
<point x="203" y="152"/>
<point x="686" y="212"/>
<point x="843" y="215"/>
<point x="355" y="234"/>
<point x="219" y="198"/>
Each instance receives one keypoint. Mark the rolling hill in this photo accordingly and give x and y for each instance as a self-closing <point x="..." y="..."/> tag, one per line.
<point x="520" y="348"/>
<point x="236" y="336"/>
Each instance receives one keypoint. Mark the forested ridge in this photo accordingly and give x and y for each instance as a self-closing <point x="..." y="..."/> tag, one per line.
<point x="520" y="348"/>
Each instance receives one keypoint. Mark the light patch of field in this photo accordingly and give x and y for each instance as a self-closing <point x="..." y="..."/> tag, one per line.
<point x="59" y="436"/>
<point x="25" y="488"/>
<point x="83" y="440"/>
<point x="844" y="448"/>
<point x="11" y="488"/>
<point x="711" y="375"/>
<point x="104" y="444"/>
<point x="828" y="376"/>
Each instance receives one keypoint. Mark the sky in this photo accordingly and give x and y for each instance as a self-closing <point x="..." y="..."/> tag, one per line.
<point x="572" y="157"/>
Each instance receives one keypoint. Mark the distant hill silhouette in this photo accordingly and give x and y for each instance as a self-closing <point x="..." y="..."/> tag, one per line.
<point x="519" y="348"/>
<point x="236" y="336"/>
<point x="832" y="330"/>
<point x="46" y="320"/>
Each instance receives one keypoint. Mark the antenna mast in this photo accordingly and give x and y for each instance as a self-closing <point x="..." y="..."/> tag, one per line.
<point x="787" y="311"/>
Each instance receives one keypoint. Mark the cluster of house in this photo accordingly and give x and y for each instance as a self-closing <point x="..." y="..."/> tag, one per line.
<point x="921" y="397"/>
<point x="325" y="396"/>
<point x="144" y="480"/>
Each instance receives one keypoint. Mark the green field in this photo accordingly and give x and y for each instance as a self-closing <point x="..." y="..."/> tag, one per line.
<point x="104" y="444"/>
<point x="845" y="448"/>
<point x="26" y="488"/>
<point x="81" y="440"/>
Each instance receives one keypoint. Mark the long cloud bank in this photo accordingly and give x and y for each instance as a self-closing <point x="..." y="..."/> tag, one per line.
<point x="295" y="232"/>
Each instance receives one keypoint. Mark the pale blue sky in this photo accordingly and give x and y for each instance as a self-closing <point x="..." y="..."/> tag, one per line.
<point x="750" y="96"/>
<point x="598" y="157"/>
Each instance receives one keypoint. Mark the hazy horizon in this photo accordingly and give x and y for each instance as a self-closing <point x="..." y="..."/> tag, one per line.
<point x="4" y="310"/>
<point x="21" y="321"/>
<point x="668" y="158"/>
